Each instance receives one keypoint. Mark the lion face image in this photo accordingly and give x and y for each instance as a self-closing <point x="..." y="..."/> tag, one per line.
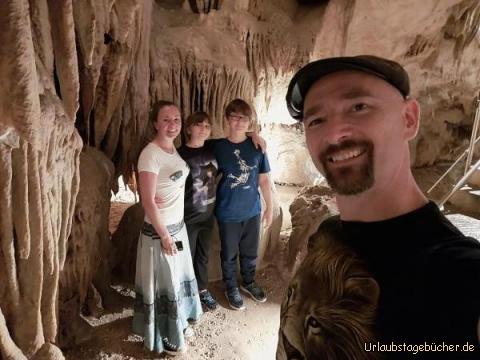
<point x="329" y="310"/>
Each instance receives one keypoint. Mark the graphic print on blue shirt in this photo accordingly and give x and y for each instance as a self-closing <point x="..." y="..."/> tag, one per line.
<point x="240" y="164"/>
<point x="245" y="171"/>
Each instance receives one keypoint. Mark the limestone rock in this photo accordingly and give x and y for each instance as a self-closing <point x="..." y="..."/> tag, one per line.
<point x="49" y="352"/>
<point x="312" y="205"/>
<point x="125" y="240"/>
<point x="97" y="66"/>
<point x="89" y="254"/>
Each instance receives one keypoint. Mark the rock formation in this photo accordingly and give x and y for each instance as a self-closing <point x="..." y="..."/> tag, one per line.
<point x="310" y="208"/>
<point x="85" y="271"/>
<point x="89" y="70"/>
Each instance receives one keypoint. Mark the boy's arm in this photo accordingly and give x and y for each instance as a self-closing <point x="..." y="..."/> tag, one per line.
<point x="265" y="187"/>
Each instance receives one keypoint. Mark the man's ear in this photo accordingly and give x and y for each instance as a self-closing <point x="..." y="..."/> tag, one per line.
<point x="411" y="116"/>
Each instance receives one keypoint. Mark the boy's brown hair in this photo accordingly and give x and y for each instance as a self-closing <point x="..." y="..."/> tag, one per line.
<point x="195" y="118"/>
<point x="238" y="106"/>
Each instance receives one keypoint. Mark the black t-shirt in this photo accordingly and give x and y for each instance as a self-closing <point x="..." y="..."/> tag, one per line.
<point x="429" y="277"/>
<point x="200" y="185"/>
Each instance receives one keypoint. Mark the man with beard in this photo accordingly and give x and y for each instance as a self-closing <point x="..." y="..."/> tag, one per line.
<point x="358" y="118"/>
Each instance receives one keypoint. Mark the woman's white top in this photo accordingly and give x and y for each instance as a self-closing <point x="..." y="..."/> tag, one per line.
<point x="171" y="171"/>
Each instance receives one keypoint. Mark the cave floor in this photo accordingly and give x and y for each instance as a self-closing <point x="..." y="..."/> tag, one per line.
<point x="220" y="334"/>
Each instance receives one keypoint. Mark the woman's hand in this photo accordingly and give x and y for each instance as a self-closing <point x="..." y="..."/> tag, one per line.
<point x="168" y="245"/>
<point x="258" y="141"/>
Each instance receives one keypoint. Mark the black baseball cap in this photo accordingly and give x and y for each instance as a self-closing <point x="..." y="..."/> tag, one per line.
<point x="385" y="69"/>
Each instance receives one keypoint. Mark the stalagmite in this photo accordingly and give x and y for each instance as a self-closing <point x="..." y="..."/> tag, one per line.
<point x="89" y="238"/>
<point x="8" y="349"/>
<point x="311" y="206"/>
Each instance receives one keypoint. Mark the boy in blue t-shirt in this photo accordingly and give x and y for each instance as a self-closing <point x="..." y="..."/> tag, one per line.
<point x="238" y="207"/>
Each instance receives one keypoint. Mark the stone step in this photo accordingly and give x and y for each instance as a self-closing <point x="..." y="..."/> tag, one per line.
<point x="474" y="180"/>
<point x="465" y="201"/>
<point x="466" y="224"/>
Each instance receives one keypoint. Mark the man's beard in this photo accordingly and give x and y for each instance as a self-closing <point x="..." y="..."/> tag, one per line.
<point x="353" y="179"/>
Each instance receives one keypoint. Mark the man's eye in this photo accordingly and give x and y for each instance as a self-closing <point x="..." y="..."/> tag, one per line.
<point x="359" y="107"/>
<point x="315" y="122"/>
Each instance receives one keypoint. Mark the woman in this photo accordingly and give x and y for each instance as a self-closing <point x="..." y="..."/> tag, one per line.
<point x="166" y="289"/>
<point x="200" y="198"/>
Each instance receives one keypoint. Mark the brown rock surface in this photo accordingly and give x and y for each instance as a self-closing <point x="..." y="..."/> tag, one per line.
<point x="311" y="206"/>
<point x="89" y="255"/>
<point x="98" y="65"/>
<point x="39" y="166"/>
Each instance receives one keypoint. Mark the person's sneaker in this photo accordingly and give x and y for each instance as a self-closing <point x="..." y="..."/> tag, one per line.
<point x="254" y="291"/>
<point x="234" y="299"/>
<point x="172" y="349"/>
<point x="192" y="321"/>
<point x="207" y="299"/>
<point x="188" y="332"/>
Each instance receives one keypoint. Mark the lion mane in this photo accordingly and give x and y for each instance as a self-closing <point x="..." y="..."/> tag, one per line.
<point x="329" y="310"/>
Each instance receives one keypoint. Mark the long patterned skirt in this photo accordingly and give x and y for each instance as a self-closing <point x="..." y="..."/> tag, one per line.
<point x="166" y="293"/>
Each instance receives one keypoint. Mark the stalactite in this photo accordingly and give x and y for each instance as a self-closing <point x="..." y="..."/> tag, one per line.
<point x="21" y="108"/>
<point x="66" y="65"/>
<point x="37" y="186"/>
<point x="41" y="30"/>
<point x="463" y="25"/>
<point x="201" y="86"/>
<point x="9" y="276"/>
<point x="114" y="41"/>
<point x="205" y="6"/>
<point x="20" y="203"/>
<point x="92" y="24"/>
<point x="271" y="48"/>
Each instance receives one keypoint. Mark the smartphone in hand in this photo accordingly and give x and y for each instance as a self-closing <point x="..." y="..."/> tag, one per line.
<point x="179" y="245"/>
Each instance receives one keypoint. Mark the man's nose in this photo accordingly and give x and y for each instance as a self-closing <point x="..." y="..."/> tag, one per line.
<point x="337" y="130"/>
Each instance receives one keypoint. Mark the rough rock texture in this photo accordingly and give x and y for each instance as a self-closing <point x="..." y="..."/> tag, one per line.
<point x="39" y="161"/>
<point x="287" y="150"/>
<point x="125" y="240"/>
<point x="99" y="65"/>
<point x="89" y="255"/>
<point x="114" y="42"/>
<point x="312" y="205"/>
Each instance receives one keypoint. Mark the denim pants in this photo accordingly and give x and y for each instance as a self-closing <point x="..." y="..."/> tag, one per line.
<point x="239" y="238"/>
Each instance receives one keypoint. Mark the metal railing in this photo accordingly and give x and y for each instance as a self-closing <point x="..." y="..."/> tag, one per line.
<point x="469" y="170"/>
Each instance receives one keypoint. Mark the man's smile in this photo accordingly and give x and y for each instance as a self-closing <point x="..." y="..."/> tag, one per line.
<point x="347" y="154"/>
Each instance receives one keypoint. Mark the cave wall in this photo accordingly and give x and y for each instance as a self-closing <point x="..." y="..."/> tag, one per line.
<point x="87" y="72"/>
<point x="39" y="161"/>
